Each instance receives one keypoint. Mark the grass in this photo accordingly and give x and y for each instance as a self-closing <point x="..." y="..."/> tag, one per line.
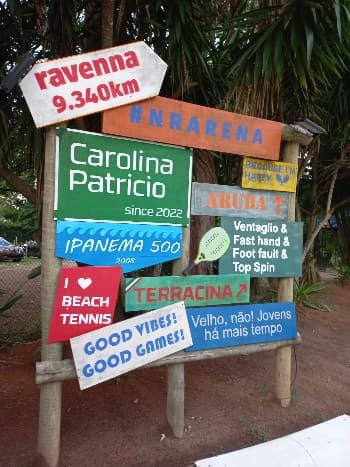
<point x="295" y="394"/>
<point x="343" y="271"/>
<point x="311" y="295"/>
<point x="259" y="434"/>
<point x="265" y="388"/>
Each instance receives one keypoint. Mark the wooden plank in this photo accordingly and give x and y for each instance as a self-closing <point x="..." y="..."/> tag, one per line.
<point x="210" y="199"/>
<point x="70" y="87"/>
<point x="175" y="403"/>
<point x="181" y="123"/>
<point x="283" y="364"/>
<point x="269" y="175"/>
<point x="48" y="450"/>
<point x="64" y="370"/>
<point x="175" y="409"/>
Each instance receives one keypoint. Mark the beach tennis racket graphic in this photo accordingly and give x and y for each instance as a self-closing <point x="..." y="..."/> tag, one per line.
<point x="212" y="246"/>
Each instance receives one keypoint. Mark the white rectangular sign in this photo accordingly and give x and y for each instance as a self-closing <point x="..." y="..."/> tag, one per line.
<point x="70" y="87"/>
<point x="113" y="350"/>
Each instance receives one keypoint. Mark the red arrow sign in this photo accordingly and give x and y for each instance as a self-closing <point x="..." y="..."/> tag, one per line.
<point x="79" y="85"/>
<point x="242" y="289"/>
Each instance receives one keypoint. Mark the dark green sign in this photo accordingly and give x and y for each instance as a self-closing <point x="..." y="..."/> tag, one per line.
<point x="262" y="248"/>
<point x="116" y="179"/>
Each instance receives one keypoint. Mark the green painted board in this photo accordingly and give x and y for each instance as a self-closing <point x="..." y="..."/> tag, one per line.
<point x="149" y="293"/>
<point x="262" y="248"/>
<point x="105" y="178"/>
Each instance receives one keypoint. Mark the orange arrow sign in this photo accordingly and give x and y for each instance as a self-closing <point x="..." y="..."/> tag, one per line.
<point x="184" y="124"/>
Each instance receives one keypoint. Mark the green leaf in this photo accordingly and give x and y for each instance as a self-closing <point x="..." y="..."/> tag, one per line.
<point x="309" y="43"/>
<point x="34" y="272"/>
<point x="257" y="68"/>
<point x="278" y="54"/>
<point x="7" y="305"/>
<point x="267" y="62"/>
<point x="337" y="14"/>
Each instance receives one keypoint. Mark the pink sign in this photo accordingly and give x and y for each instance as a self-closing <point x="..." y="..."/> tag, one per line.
<point x="85" y="300"/>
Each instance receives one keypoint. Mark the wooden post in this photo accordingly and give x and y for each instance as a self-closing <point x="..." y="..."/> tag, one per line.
<point x="283" y="367"/>
<point x="176" y="373"/>
<point x="50" y="393"/>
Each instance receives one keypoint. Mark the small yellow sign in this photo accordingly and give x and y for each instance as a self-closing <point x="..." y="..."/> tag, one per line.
<point x="269" y="175"/>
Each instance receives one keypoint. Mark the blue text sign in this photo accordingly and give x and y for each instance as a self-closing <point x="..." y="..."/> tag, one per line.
<point x="132" y="246"/>
<point x="226" y="326"/>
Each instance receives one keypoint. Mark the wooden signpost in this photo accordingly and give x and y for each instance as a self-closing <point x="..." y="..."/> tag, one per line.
<point x="106" y="178"/>
<point x="176" y="122"/>
<point x="106" y="353"/>
<point x="71" y="87"/>
<point x="269" y="175"/>
<point x="221" y="200"/>
<point x="223" y="326"/>
<point x="85" y="300"/>
<point x="132" y="246"/>
<point x="262" y="248"/>
<point x="146" y="293"/>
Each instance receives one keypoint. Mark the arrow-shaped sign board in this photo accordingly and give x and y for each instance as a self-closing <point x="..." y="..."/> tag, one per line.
<point x="195" y="126"/>
<point x="70" y="87"/>
<point x="145" y="293"/>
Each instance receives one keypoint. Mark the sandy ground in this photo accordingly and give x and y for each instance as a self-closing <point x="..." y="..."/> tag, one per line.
<point x="229" y="402"/>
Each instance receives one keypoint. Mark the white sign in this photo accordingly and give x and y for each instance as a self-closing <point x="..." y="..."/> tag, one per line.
<point x="71" y="87"/>
<point x="113" y="350"/>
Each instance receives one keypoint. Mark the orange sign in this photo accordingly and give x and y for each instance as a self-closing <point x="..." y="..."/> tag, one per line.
<point x="183" y="124"/>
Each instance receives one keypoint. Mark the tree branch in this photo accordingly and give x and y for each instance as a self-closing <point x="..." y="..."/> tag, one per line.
<point x="18" y="185"/>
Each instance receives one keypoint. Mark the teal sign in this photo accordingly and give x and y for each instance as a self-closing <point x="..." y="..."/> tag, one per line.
<point x="105" y="178"/>
<point x="209" y="199"/>
<point x="148" y="293"/>
<point x="262" y="248"/>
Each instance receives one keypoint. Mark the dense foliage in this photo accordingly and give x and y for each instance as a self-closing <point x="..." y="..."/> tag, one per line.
<point x="277" y="59"/>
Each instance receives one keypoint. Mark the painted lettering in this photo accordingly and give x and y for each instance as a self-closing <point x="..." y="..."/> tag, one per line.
<point x="59" y="76"/>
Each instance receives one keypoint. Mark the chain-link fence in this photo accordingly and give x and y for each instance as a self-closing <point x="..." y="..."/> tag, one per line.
<point x="21" y="320"/>
<point x="19" y="300"/>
